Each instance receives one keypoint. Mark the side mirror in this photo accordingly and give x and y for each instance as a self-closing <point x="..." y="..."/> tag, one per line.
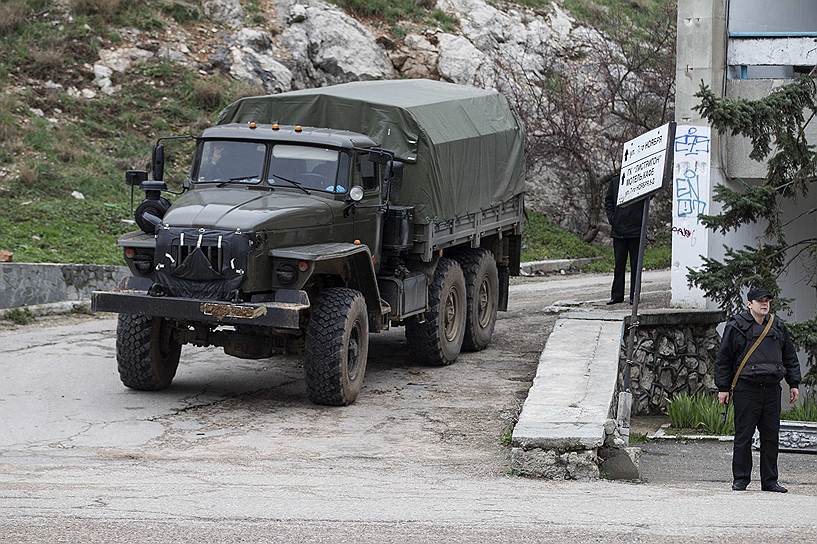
<point x="135" y="177"/>
<point x="157" y="162"/>
<point x="356" y="193"/>
<point x="395" y="181"/>
<point x="379" y="157"/>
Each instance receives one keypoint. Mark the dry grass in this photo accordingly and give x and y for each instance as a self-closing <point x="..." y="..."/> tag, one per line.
<point x="46" y="61"/>
<point x="208" y="94"/>
<point x="12" y="14"/>
<point x="105" y="8"/>
<point x="29" y="174"/>
<point x="8" y="123"/>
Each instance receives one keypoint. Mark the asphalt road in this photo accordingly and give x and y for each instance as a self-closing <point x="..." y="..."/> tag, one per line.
<point x="234" y="452"/>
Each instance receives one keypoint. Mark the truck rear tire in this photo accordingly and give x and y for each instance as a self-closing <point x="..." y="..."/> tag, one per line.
<point x="337" y="345"/>
<point x="147" y="356"/>
<point x="437" y="340"/>
<point x="482" y="289"/>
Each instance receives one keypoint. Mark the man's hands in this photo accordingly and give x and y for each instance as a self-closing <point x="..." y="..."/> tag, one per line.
<point x="794" y="395"/>
<point x="723" y="398"/>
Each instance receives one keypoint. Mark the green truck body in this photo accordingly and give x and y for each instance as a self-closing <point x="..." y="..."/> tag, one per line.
<point x="313" y="218"/>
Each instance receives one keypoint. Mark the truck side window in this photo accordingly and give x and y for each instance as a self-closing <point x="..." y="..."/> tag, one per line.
<point x="366" y="173"/>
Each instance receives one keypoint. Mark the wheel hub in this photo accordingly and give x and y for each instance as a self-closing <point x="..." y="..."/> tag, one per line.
<point x="450" y="317"/>
<point x="353" y="351"/>
<point x="484" y="304"/>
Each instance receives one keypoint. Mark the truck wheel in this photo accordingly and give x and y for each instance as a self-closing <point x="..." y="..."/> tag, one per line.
<point x="146" y="353"/>
<point x="437" y="340"/>
<point x="482" y="289"/>
<point x="337" y="345"/>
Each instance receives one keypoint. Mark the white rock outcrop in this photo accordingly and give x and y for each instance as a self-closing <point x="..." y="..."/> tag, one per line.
<point x="461" y="62"/>
<point x="251" y="58"/>
<point x="328" y="46"/>
<point x="228" y="12"/>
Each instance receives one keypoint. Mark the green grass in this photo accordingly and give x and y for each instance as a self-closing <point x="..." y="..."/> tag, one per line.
<point x="544" y="240"/>
<point x="638" y="438"/>
<point x="700" y="413"/>
<point x="506" y="438"/>
<point x="91" y="146"/>
<point x="20" y="316"/>
<point x="394" y="11"/>
<point x="806" y="410"/>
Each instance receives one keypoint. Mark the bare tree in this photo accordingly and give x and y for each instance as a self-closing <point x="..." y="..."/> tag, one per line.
<point x="585" y="100"/>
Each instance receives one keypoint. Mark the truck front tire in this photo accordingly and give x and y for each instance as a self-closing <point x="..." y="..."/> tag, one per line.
<point x="337" y="346"/>
<point x="482" y="288"/>
<point x="437" y="340"/>
<point x="147" y="355"/>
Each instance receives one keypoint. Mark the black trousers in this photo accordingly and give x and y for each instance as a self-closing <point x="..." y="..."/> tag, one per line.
<point x="623" y="247"/>
<point x="756" y="406"/>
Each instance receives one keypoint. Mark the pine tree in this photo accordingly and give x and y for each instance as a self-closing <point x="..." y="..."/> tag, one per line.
<point x="775" y="125"/>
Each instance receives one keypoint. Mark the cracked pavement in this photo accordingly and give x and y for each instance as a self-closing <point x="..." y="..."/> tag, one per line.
<point x="234" y="452"/>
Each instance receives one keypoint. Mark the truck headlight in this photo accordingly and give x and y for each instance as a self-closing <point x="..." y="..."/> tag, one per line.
<point x="286" y="274"/>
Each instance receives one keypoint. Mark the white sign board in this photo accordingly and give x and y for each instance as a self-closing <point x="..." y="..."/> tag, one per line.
<point x="643" y="164"/>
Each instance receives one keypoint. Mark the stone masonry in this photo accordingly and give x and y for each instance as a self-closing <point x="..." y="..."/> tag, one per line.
<point x="675" y="352"/>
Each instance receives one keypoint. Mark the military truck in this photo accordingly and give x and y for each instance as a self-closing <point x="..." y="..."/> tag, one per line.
<point x="313" y="218"/>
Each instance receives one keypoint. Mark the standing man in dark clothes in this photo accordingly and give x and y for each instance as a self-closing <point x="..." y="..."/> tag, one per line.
<point x="756" y="394"/>
<point x="626" y="233"/>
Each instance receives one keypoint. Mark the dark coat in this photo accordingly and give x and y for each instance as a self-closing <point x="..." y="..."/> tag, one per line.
<point x="774" y="359"/>
<point x="624" y="220"/>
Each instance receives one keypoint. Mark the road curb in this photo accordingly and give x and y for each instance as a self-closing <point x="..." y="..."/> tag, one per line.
<point x="554" y="266"/>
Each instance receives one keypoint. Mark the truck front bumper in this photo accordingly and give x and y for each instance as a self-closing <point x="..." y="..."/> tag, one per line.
<point x="280" y="315"/>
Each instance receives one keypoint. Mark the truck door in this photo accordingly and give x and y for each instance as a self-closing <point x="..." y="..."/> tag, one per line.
<point x="367" y="215"/>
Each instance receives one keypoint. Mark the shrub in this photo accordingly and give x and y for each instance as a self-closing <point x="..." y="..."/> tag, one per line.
<point x="805" y="411"/>
<point x="208" y="94"/>
<point x="700" y="412"/>
<point x="21" y="316"/>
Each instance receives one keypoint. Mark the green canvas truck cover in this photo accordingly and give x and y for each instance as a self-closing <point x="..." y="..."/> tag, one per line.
<point x="463" y="146"/>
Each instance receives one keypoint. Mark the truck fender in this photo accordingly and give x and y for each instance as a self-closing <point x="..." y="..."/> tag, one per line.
<point x="351" y="262"/>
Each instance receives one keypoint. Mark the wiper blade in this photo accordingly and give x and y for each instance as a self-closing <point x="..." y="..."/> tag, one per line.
<point x="294" y="183"/>
<point x="239" y="178"/>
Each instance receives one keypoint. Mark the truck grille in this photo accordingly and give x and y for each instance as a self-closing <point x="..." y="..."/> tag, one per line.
<point x="214" y="254"/>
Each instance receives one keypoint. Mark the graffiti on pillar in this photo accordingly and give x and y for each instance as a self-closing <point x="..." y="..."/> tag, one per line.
<point x="688" y="192"/>
<point x="691" y="143"/>
<point x="691" y="186"/>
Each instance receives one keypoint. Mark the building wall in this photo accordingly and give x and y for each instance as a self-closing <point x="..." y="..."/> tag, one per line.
<point x="706" y="53"/>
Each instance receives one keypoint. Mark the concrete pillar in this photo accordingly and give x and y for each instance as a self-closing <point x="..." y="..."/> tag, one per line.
<point x="701" y="57"/>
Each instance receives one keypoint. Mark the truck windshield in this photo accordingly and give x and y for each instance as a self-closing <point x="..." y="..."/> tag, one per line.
<point x="223" y="160"/>
<point x="314" y="168"/>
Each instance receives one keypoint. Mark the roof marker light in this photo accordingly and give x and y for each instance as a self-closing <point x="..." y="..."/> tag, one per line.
<point x="275" y="126"/>
<point x="252" y="124"/>
<point x="298" y="128"/>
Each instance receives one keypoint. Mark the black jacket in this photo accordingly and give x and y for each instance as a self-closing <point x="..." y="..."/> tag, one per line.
<point x="625" y="220"/>
<point x="774" y="359"/>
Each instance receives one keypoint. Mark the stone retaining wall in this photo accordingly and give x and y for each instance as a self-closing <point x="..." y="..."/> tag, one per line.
<point x="675" y="352"/>
<point x="25" y="284"/>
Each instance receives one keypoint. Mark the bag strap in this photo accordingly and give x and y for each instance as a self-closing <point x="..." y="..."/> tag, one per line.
<point x="752" y="350"/>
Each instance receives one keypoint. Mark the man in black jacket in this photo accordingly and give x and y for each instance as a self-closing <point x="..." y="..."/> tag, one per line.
<point x="626" y="233"/>
<point x="757" y="392"/>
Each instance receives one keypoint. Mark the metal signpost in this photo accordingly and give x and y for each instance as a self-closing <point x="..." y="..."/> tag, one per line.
<point x="646" y="168"/>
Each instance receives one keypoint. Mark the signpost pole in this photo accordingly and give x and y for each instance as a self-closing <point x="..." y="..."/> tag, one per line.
<point x="625" y="397"/>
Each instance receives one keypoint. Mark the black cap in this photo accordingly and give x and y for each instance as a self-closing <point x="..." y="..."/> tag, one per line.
<point x="757" y="293"/>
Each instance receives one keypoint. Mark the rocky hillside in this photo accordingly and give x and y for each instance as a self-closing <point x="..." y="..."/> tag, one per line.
<point x="86" y="85"/>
